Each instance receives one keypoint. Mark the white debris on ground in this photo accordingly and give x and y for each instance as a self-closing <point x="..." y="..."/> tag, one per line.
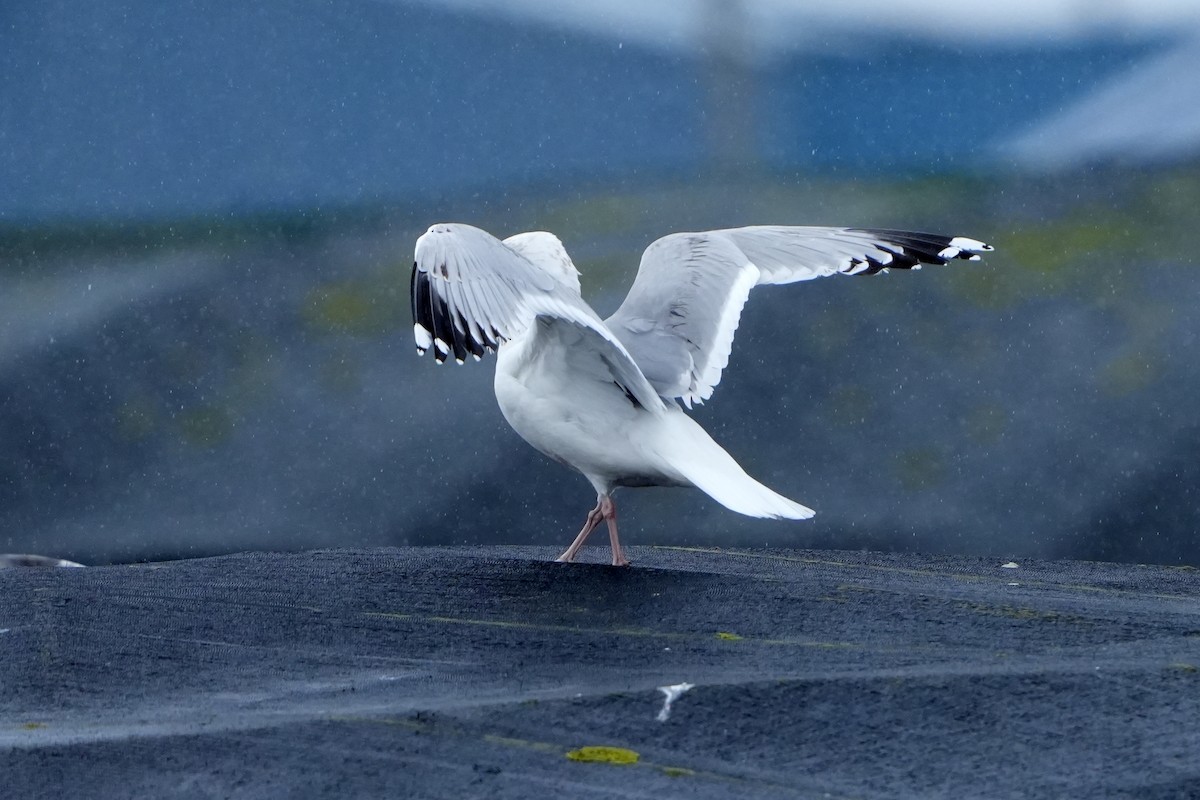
<point x="1010" y="565"/>
<point x="672" y="694"/>
<point x="30" y="560"/>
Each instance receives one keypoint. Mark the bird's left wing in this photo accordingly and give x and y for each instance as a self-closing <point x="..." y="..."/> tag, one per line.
<point x="472" y="292"/>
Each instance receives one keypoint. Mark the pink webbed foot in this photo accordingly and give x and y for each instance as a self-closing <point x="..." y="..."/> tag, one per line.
<point x="605" y="511"/>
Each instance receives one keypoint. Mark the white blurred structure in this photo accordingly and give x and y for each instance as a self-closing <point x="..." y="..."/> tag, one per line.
<point x="1150" y="115"/>
<point x="774" y="28"/>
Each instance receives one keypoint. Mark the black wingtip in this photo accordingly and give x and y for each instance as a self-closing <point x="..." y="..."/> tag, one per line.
<point x="442" y="328"/>
<point x="422" y="305"/>
<point x="911" y="249"/>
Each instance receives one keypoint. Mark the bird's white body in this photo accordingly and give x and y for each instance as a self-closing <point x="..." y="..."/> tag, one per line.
<point x="602" y="396"/>
<point x="571" y="415"/>
<point x="557" y="402"/>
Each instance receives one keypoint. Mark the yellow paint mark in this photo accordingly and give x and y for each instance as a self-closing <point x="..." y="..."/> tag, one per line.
<point x="610" y="755"/>
<point x="410" y="724"/>
<point x="495" y="623"/>
<point x="1022" y="613"/>
<point x="633" y="632"/>
<point x="602" y="754"/>
<point x="33" y="726"/>
<point x="525" y="744"/>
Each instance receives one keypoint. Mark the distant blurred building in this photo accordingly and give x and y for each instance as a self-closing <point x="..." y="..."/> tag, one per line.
<point x="1149" y="115"/>
<point x="143" y="110"/>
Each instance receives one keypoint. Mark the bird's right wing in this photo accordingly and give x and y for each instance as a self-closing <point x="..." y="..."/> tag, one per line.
<point x="680" y="316"/>
<point x="472" y="292"/>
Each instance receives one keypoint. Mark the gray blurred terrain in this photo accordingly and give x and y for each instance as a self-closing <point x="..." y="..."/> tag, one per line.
<point x="206" y="225"/>
<point x="229" y="393"/>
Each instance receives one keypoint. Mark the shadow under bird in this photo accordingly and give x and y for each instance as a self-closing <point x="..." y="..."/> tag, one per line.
<point x="603" y="395"/>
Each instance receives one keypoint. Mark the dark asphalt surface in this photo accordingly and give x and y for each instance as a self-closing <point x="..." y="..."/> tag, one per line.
<point x="472" y="673"/>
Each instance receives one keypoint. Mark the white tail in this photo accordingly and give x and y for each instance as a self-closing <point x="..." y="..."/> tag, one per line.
<point x="689" y="450"/>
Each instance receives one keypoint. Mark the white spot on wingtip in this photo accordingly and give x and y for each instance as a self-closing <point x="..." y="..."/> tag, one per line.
<point x="423" y="337"/>
<point x="949" y="252"/>
<point x="442" y="347"/>
<point x="970" y="245"/>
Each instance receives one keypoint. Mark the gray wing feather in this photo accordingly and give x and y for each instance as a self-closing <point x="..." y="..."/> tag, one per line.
<point x="471" y="293"/>
<point x="682" y="311"/>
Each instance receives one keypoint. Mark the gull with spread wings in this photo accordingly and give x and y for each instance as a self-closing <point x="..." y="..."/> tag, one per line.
<point x="603" y="395"/>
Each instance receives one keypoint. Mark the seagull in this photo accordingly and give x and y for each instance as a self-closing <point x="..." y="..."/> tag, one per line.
<point x="607" y="396"/>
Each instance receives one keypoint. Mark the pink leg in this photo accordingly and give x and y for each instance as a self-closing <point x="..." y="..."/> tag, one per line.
<point x="605" y="510"/>
<point x="619" y="559"/>
<point x="593" y="519"/>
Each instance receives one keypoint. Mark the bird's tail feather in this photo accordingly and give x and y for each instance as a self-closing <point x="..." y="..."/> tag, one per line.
<point x="706" y="465"/>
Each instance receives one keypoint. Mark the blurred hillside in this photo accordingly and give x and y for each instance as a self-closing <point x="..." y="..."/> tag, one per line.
<point x="259" y="390"/>
<point x="206" y="229"/>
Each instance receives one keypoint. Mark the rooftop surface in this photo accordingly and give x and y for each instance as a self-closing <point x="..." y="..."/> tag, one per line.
<point x="487" y="671"/>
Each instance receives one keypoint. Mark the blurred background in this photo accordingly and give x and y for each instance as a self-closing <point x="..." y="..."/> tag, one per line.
<point x="208" y="208"/>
